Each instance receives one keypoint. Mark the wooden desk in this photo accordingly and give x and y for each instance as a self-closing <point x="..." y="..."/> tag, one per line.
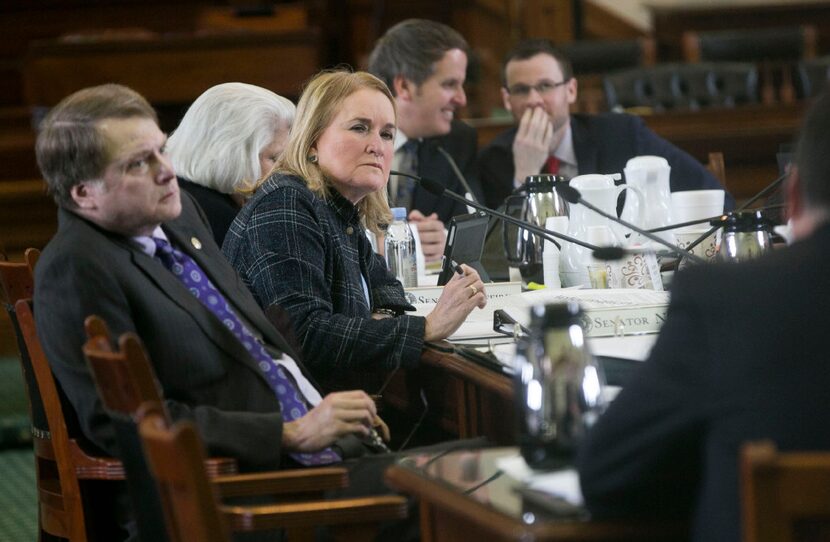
<point x="465" y="399"/>
<point x="496" y="512"/>
<point x="172" y="68"/>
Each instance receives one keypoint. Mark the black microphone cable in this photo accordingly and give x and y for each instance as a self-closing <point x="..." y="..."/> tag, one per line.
<point x="766" y="190"/>
<point x="495" y="476"/>
<point x="572" y="195"/>
<point x="438" y="189"/>
<point x="458" y="173"/>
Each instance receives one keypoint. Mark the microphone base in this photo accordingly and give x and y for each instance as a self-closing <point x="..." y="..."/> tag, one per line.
<point x="532" y="272"/>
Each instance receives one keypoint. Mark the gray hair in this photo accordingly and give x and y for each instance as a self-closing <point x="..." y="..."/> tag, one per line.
<point x="411" y="48"/>
<point x="70" y="148"/>
<point x="217" y="143"/>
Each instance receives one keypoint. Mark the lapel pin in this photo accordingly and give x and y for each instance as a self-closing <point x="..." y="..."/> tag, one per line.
<point x="196" y="243"/>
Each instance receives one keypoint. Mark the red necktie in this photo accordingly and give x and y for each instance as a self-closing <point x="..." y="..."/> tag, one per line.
<point x="551" y="165"/>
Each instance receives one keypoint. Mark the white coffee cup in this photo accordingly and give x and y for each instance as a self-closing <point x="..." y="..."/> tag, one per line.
<point x="689" y="205"/>
<point x="706" y="249"/>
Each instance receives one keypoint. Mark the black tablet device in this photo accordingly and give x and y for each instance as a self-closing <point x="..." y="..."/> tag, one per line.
<point x="465" y="241"/>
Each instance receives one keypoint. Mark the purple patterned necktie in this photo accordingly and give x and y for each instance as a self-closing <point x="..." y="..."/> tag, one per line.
<point x="288" y="394"/>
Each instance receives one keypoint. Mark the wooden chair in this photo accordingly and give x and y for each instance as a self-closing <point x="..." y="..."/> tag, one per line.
<point x="62" y="464"/>
<point x="591" y="59"/>
<point x="126" y="383"/>
<point x="716" y="167"/>
<point x="600" y="56"/>
<point x="175" y="456"/>
<point x="750" y="45"/>
<point x="64" y="471"/>
<point x="775" y="50"/>
<point x="669" y="86"/>
<point x="813" y="77"/>
<point x="785" y="496"/>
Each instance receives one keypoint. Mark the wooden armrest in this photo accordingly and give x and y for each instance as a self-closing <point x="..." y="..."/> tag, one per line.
<point x="282" y="482"/>
<point x="89" y="467"/>
<point x="220" y="466"/>
<point x="307" y="514"/>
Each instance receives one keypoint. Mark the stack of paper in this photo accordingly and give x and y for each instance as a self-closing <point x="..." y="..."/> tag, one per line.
<point x="611" y="312"/>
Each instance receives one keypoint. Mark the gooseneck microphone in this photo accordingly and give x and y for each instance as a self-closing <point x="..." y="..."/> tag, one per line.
<point x="436" y="188"/>
<point x="611" y="253"/>
<point x="572" y="196"/>
<point x="766" y="190"/>
<point x="457" y="172"/>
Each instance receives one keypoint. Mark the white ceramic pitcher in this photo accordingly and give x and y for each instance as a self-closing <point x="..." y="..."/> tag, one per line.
<point x="650" y="175"/>
<point x="600" y="191"/>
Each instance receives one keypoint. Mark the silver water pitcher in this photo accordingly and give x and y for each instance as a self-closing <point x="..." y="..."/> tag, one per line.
<point x="534" y="202"/>
<point x="559" y="385"/>
<point x="746" y="235"/>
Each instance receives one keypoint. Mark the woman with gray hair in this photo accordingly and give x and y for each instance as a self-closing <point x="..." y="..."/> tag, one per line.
<point x="229" y="138"/>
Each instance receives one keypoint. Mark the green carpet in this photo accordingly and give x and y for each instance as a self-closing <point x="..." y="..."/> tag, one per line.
<point x="14" y="406"/>
<point x="18" y="499"/>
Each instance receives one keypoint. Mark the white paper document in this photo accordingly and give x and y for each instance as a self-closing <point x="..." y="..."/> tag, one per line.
<point x="560" y="483"/>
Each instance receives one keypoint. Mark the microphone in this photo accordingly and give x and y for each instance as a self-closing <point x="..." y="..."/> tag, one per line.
<point x="572" y="195"/>
<point x="437" y="189"/>
<point x="709" y="219"/>
<point x="457" y="173"/>
<point x="766" y="190"/>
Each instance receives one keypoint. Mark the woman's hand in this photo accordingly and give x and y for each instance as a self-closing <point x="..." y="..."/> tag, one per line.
<point x="461" y="295"/>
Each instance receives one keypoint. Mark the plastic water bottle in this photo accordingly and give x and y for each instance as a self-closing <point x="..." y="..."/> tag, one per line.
<point x="399" y="248"/>
<point x="550" y="254"/>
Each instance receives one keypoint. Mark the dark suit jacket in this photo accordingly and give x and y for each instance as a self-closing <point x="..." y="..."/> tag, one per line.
<point x="603" y="144"/>
<point x="742" y="355"/>
<point x="461" y="144"/>
<point x="219" y="208"/>
<point x="205" y="373"/>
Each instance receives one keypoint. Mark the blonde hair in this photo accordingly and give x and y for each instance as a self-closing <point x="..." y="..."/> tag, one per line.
<point x="319" y="103"/>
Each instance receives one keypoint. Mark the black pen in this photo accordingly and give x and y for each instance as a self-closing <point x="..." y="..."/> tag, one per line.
<point x="457" y="267"/>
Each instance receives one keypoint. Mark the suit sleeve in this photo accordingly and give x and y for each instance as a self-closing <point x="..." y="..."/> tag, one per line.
<point x="74" y="285"/>
<point x="686" y="172"/>
<point x="286" y="264"/>
<point x="469" y="166"/>
<point x="496" y="171"/>
<point x="642" y="456"/>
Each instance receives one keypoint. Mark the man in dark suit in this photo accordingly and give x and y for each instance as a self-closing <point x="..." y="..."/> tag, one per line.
<point x="134" y="250"/>
<point x="424" y="64"/>
<point x="742" y="356"/>
<point x="538" y="89"/>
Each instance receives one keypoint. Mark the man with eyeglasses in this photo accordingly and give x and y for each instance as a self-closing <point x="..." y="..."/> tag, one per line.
<point x="538" y="89"/>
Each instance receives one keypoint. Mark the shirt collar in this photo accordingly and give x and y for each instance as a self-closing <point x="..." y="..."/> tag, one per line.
<point x="146" y="244"/>
<point x="565" y="151"/>
<point x="400" y="140"/>
<point x="343" y="208"/>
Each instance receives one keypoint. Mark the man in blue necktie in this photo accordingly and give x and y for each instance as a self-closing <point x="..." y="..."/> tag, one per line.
<point x="134" y="250"/>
